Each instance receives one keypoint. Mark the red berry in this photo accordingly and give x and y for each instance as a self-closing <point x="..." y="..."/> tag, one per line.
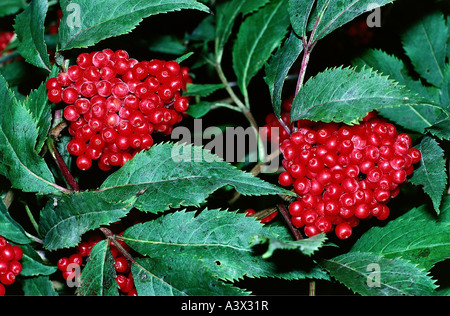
<point x="343" y="230"/>
<point x="2" y="290"/>
<point x="15" y="267"/>
<point x="122" y="265"/>
<point x="7" y="253"/>
<point x="7" y="278"/>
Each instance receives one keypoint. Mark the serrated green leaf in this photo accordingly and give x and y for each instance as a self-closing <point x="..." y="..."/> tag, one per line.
<point x="87" y="22"/>
<point x="220" y="239"/>
<point x="98" y="276"/>
<point x="38" y="286"/>
<point x="19" y="161"/>
<point x="299" y="12"/>
<point x="226" y="14"/>
<point x="335" y="13"/>
<point x="9" y="7"/>
<point x="65" y="218"/>
<point x="29" y="27"/>
<point x="396" y="69"/>
<point x="370" y="274"/>
<point x="425" y="43"/>
<point x="258" y="36"/>
<point x="441" y="129"/>
<point x="278" y="68"/>
<point x="178" y="275"/>
<point x="431" y="172"/>
<point x="346" y="95"/>
<point x="171" y="175"/>
<point x="38" y="104"/>
<point x="416" y="236"/>
<point x="306" y="246"/>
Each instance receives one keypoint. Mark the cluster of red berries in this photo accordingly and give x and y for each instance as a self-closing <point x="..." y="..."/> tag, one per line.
<point x="343" y="174"/>
<point x="114" y="103"/>
<point x="124" y="278"/>
<point x="10" y="267"/>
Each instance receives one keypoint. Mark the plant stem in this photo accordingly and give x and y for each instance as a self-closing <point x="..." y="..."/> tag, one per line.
<point x="286" y="216"/>
<point x="62" y="165"/>
<point x="113" y="238"/>
<point x="31" y="217"/>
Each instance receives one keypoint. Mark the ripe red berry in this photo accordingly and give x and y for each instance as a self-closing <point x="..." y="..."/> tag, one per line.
<point x="343" y="230"/>
<point x="7" y="278"/>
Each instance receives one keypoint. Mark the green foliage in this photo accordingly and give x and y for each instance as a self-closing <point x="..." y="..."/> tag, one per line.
<point x="192" y="235"/>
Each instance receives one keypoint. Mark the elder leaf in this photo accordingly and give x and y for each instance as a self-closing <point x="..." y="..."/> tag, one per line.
<point x="417" y="236"/>
<point x="431" y="172"/>
<point x="19" y="161"/>
<point x="370" y="274"/>
<point x="87" y="22"/>
<point x="347" y="95"/>
<point x="174" y="175"/>
<point x="29" y="27"/>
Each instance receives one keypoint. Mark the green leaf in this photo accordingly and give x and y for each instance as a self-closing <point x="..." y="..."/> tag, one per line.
<point x="335" y="13"/>
<point x="167" y="44"/>
<point x="431" y="172"/>
<point x="10" y="229"/>
<point x="370" y="274"/>
<point x="200" y="109"/>
<point x="38" y="104"/>
<point x="33" y="264"/>
<point x="178" y="275"/>
<point x="171" y="175"/>
<point x="396" y="69"/>
<point x="220" y="239"/>
<point x="9" y="7"/>
<point x="29" y="27"/>
<point x="98" y="276"/>
<point x="226" y="14"/>
<point x="258" y="36"/>
<point x="278" y="68"/>
<point x="299" y="12"/>
<point x="425" y="43"/>
<point x="87" y="22"/>
<point x="64" y="219"/>
<point x="19" y="161"/>
<point x="202" y="90"/>
<point x="416" y="236"/>
<point x="346" y="95"/>
<point x="306" y="246"/>
<point x="441" y="129"/>
<point x="39" y="286"/>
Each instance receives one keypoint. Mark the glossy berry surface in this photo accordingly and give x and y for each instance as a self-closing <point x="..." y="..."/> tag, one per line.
<point x="344" y="174"/>
<point x="107" y="93"/>
<point x="10" y="266"/>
